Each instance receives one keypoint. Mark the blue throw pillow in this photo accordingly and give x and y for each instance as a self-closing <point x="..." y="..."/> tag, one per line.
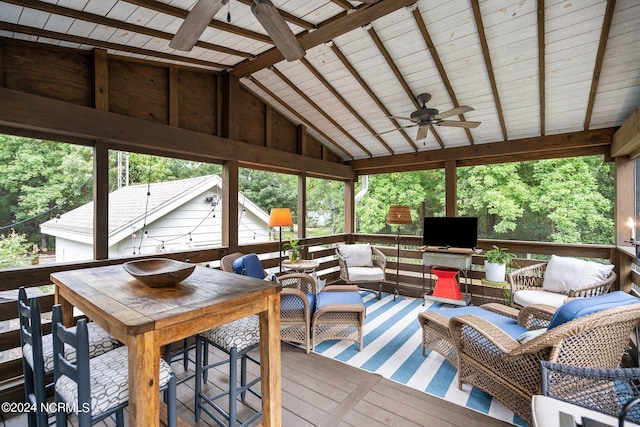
<point x="583" y="306"/>
<point x="250" y="265"/>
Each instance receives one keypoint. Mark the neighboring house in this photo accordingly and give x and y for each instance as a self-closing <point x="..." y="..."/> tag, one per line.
<point x="178" y="215"/>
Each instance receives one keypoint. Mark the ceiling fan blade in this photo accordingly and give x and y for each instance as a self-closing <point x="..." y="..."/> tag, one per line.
<point x="195" y="24"/>
<point x="453" y="112"/>
<point x="457" y="124"/>
<point x="286" y="42"/>
<point x="402" y="118"/>
<point x="396" y="129"/>
<point x="422" y="132"/>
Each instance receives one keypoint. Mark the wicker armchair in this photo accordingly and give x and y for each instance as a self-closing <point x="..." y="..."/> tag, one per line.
<point x="354" y="274"/>
<point x="531" y="278"/>
<point x="297" y="301"/>
<point x="601" y="390"/>
<point x="493" y="361"/>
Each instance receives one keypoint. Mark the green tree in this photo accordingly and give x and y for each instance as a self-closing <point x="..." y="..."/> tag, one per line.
<point x="16" y="251"/>
<point x="413" y="189"/>
<point x="270" y="190"/>
<point x="39" y="179"/>
<point x="495" y="194"/>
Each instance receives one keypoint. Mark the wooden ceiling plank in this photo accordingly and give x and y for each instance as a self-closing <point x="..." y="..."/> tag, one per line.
<point x="318" y="108"/>
<point x="107" y="45"/>
<point x="533" y="146"/>
<point x="114" y="23"/>
<point x="604" y="36"/>
<point x="436" y="59"/>
<point x="326" y="31"/>
<point x="373" y="96"/>
<point x="218" y="25"/>
<point x="488" y="65"/>
<point x="344" y="102"/>
<point x="297" y="114"/>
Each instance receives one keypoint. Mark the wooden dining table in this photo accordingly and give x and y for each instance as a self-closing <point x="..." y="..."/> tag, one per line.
<point x="145" y="319"/>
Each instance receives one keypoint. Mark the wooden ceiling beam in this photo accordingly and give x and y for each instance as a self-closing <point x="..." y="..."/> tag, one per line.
<point x="371" y="93"/>
<point x="541" y="67"/>
<point x="396" y="72"/>
<point x="436" y="59"/>
<point x="326" y="115"/>
<point x="297" y="114"/>
<point x="626" y="140"/>
<point x="343" y="4"/>
<point x="326" y="31"/>
<point x="489" y="66"/>
<point x="21" y="29"/>
<point x="507" y="151"/>
<point x="42" y="114"/>
<point x="346" y="105"/>
<point x="604" y="36"/>
<point x="114" y="23"/>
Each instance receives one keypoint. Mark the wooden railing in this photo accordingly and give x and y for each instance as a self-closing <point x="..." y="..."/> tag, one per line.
<point x="321" y="249"/>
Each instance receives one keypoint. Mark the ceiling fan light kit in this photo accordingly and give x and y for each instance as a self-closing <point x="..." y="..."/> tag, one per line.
<point x="286" y="42"/>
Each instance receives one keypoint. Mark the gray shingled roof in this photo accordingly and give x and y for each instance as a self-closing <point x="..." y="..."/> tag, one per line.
<point x="128" y="204"/>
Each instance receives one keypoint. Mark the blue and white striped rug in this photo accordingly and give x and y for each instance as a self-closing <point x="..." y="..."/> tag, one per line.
<point x="393" y="349"/>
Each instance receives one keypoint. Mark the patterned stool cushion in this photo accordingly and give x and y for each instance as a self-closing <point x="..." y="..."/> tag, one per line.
<point x="109" y="381"/>
<point x="100" y="342"/>
<point x="241" y="333"/>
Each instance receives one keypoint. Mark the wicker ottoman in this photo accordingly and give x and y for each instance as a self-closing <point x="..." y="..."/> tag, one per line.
<point x="338" y="316"/>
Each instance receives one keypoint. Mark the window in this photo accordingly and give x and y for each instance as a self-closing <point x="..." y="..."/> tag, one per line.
<point x="325" y="207"/>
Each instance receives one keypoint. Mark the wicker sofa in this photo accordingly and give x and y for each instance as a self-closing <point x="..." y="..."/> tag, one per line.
<point x="572" y="278"/>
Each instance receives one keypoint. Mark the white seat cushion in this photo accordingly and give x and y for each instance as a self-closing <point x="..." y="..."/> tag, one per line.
<point x="240" y="333"/>
<point x="109" y="381"/>
<point x="99" y="343"/>
<point x="365" y="274"/>
<point x="530" y="297"/>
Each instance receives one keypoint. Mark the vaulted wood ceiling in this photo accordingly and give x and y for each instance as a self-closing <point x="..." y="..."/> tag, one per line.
<point x="528" y="68"/>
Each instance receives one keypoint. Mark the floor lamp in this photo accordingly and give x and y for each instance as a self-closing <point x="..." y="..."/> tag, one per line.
<point x="280" y="217"/>
<point x="398" y="214"/>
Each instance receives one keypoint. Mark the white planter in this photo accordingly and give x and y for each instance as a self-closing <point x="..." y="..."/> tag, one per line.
<point x="495" y="272"/>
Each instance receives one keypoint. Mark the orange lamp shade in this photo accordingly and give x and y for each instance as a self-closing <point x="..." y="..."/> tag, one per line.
<point x="280" y="217"/>
<point x="399" y="214"/>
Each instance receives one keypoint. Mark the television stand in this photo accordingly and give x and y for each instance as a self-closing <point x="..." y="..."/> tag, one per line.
<point x="446" y="264"/>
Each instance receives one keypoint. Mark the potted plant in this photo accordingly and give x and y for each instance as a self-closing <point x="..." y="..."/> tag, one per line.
<point x="495" y="266"/>
<point x="294" y="249"/>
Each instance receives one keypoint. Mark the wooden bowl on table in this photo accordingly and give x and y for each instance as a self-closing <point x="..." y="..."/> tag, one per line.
<point x="159" y="272"/>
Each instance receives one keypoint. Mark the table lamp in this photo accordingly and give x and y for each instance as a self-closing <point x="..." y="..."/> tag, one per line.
<point x="398" y="214"/>
<point x="280" y="217"/>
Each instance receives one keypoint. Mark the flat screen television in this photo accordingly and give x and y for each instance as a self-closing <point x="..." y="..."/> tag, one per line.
<point x="451" y="232"/>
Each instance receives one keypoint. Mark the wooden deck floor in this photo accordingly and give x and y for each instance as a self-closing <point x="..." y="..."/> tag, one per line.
<point x="317" y="391"/>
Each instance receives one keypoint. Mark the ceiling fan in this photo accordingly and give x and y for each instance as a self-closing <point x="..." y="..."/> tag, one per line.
<point x="425" y="117"/>
<point x="264" y="11"/>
